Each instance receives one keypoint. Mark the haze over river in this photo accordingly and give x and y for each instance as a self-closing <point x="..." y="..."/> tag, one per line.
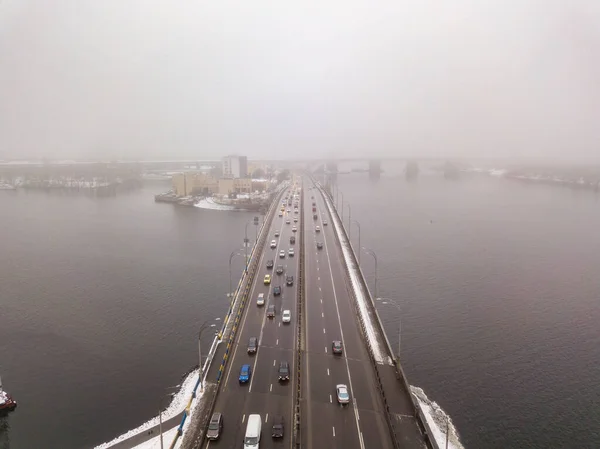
<point x="101" y="300"/>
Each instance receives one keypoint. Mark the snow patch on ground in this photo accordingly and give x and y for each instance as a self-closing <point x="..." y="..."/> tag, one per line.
<point x="154" y="443"/>
<point x="438" y="420"/>
<point x="379" y="350"/>
<point x="209" y="203"/>
<point x="179" y="403"/>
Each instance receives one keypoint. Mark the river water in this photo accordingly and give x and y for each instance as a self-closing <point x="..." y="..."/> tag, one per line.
<point x="101" y="299"/>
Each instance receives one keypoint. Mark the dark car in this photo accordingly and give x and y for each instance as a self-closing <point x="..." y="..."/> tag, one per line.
<point x="284" y="371"/>
<point x="215" y="427"/>
<point x="319" y="245"/>
<point x="289" y="280"/>
<point x="315" y="217"/>
<point x="336" y="347"/>
<point x="270" y="264"/>
<point x="271" y="311"/>
<point x="279" y="269"/>
<point x="276" y="291"/>
<point x="292" y="239"/>
<point x="277" y="431"/>
<point x="252" y="345"/>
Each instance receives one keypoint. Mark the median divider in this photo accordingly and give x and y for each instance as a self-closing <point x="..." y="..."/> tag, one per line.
<point x="297" y="434"/>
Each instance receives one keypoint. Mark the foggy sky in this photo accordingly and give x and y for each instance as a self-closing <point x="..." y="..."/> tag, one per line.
<point x="282" y="79"/>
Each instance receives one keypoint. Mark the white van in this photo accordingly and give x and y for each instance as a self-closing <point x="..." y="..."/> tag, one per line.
<point x="253" y="430"/>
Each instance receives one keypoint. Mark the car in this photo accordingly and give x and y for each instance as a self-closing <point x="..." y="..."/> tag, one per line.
<point x="280" y="214"/>
<point x="252" y="345"/>
<point x="295" y="219"/>
<point x="294" y="229"/>
<point x="289" y="280"/>
<point x="286" y="316"/>
<point x="273" y="244"/>
<point x="279" y="269"/>
<point x="319" y="245"/>
<point x="336" y="347"/>
<point x="260" y="300"/>
<point x="267" y="279"/>
<point x="312" y="197"/>
<point x="277" y="430"/>
<point x="291" y="252"/>
<point x="288" y="209"/>
<point x="215" y="427"/>
<point x="245" y="374"/>
<point x="270" y="264"/>
<point x="341" y="392"/>
<point x="284" y="371"/>
<point x="317" y="229"/>
<point x="277" y="291"/>
<point x="292" y="239"/>
<point x="314" y="204"/>
<point x="282" y="254"/>
<point x="315" y="216"/>
<point x="296" y="211"/>
<point x="276" y="233"/>
<point x="324" y="222"/>
<point x="271" y="311"/>
<point x="287" y="221"/>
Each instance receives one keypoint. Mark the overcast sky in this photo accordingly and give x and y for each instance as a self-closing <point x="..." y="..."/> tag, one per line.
<point x="178" y="78"/>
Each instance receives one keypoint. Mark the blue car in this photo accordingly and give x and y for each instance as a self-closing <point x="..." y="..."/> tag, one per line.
<point x="245" y="374"/>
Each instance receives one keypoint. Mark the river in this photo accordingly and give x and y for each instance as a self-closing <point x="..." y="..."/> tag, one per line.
<point x="101" y="300"/>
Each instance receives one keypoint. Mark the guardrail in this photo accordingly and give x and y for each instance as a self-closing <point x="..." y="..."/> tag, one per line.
<point x="422" y="422"/>
<point x="246" y="279"/>
<point x="297" y="434"/>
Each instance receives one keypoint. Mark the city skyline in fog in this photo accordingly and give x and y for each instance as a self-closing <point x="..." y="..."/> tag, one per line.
<point x="275" y="80"/>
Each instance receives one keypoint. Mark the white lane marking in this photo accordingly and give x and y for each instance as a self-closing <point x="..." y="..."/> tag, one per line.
<point x="321" y="300"/>
<point x="330" y="399"/>
<point x="325" y="349"/>
<point x="243" y="418"/>
<point x="362" y="442"/>
<point x="317" y="268"/>
<point x="322" y="315"/>
<point x="323" y="330"/>
<point x="328" y="371"/>
<point x="274" y="362"/>
<point x="319" y="278"/>
<point x="333" y="431"/>
<point x="319" y="288"/>
<point x="271" y="388"/>
<point x="266" y="418"/>
<point x="277" y="342"/>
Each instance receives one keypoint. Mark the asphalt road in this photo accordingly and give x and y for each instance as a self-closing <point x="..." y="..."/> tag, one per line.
<point x="330" y="315"/>
<point x="263" y="394"/>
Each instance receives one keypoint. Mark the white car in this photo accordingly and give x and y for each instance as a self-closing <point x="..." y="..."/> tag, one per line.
<point x="324" y="222"/>
<point x="273" y="244"/>
<point x="317" y="229"/>
<point x="286" y="316"/>
<point x="287" y="221"/>
<point x="341" y="392"/>
<point x="294" y="229"/>
<point x="291" y="252"/>
<point x="260" y="301"/>
<point x="281" y="214"/>
<point x="282" y="254"/>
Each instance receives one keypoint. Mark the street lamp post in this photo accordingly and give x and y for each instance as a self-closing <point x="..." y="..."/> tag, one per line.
<point x="206" y="325"/>
<point x="372" y="253"/>
<point x="160" y="410"/>
<point x="342" y="193"/>
<point x="349" y="222"/>
<point x="246" y="244"/>
<point x="358" y="224"/>
<point x="395" y="304"/>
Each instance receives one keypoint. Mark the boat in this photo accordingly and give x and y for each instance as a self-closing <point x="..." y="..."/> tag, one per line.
<point x="7" y="403"/>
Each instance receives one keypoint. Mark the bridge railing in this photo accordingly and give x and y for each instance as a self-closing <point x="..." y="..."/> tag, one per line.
<point x="297" y="434"/>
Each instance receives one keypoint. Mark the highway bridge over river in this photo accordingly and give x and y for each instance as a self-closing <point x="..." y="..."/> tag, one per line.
<point x="324" y="307"/>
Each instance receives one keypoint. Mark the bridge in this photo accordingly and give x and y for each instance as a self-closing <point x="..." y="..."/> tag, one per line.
<point x="324" y="305"/>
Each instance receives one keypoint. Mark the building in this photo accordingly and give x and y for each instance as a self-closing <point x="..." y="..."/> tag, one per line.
<point x="235" y="166"/>
<point x="196" y="183"/>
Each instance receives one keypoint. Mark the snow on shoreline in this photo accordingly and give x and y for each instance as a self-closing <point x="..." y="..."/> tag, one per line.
<point x="178" y="405"/>
<point x="209" y="203"/>
<point x="379" y="350"/>
<point x="437" y="420"/>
